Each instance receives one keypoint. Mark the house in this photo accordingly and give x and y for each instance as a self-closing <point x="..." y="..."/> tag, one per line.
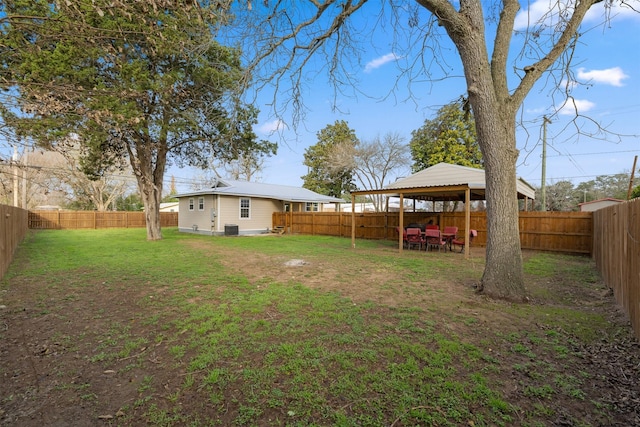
<point x="241" y="207"/>
<point x="393" y="206"/>
<point x="594" y="205"/>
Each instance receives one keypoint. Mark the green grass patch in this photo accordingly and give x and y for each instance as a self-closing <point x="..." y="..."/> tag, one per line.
<point x="208" y="343"/>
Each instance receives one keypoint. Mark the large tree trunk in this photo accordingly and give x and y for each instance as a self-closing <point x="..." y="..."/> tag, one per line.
<point x="503" y="275"/>
<point x="148" y="160"/>
<point x="495" y="126"/>
<point x="151" y="197"/>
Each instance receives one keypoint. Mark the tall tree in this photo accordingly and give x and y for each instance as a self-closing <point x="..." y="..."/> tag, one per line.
<point x="323" y="177"/>
<point x="144" y="80"/>
<point x="561" y="196"/>
<point x="283" y="41"/>
<point x="450" y="137"/>
<point x="373" y="162"/>
<point x="603" y="186"/>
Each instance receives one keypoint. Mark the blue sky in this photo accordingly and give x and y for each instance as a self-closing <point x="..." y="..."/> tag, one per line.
<point x="607" y="60"/>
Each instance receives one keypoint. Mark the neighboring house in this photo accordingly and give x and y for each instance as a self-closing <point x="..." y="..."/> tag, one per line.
<point x="241" y="207"/>
<point x="394" y="206"/>
<point x="594" y="205"/>
<point x="169" y="207"/>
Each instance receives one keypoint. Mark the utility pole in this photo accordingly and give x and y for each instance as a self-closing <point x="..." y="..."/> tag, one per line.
<point x="24" y="177"/>
<point x="543" y="189"/>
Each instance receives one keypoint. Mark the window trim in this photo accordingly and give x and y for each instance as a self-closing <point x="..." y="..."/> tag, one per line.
<point x="192" y="204"/>
<point x="312" y="207"/>
<point x="201" y="204"/>
<point x="247" y="208"/>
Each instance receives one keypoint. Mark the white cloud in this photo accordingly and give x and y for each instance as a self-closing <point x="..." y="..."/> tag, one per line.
<point x="610" y="76"/>
<point x="570" y="107"/>
<point x="272" y="126"/>
<point x="528" y="17"/>
<point x="379" y="62"/>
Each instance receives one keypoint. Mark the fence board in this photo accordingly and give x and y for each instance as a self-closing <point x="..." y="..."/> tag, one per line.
<point x="569" y="232"/>
<point x="13" y="228"/>
<point x="93" y="219"/>
<point x="616" y="252"/>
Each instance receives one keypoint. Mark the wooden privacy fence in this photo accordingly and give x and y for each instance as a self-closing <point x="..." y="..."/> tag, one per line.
<point x="569" y="232"/>
<point x="616" y="251"/>
<point x="13" y="228"/>
<point x="94" y="219"/>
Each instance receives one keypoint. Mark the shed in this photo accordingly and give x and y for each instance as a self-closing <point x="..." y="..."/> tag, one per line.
<point x="446" y="182"/>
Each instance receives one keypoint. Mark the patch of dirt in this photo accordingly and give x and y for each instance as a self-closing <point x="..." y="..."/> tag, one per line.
<point x="50" y="340"/>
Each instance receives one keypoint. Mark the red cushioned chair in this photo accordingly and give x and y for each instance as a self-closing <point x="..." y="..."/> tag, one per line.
<point x="433" y="238"/>
<point x="461" y="242"/>
<point x="414" y="238"/>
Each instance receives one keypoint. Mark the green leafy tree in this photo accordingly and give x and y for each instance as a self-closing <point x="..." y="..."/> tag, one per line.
<point x="561" y="196"/>
<point x="146" y="81"/>
<point x="450" y="137"/>
<point x="636" y="192"/>
<point x="131" y="202"/>
<point x="603" y="186"/>
<point x="323" y="177"/>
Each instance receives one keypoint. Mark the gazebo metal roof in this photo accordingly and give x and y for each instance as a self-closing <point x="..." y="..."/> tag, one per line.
<point x="446" y="181"/>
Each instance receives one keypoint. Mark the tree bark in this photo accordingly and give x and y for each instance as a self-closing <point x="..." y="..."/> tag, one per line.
<point x="148" y="160"/>
<point x="495" y="116"/>
<point x="151" y="197"/>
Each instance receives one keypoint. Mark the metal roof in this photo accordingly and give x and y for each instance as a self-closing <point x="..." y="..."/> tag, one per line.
<point x="287" y="193"/>
<point x="445" y="181"/>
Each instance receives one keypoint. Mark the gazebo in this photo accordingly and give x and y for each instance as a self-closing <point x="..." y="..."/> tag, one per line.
<point x="441" y="182"/>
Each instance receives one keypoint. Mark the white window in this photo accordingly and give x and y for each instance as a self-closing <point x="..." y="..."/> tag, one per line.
<point x="191" y="204"/>
<point x="245" y="208"/>
<point x="311" y="207"/>
<point x="200" y="203"/>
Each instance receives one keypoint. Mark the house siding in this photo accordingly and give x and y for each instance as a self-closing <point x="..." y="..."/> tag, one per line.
<point x="201" y="219"/>
<point x="260" y="215"/>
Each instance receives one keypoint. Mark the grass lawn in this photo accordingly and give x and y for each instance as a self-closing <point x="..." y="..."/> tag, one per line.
<point x="101" y="327"/>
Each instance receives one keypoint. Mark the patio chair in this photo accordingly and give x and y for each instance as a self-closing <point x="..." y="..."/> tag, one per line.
<point x="450" y="230"/>
<point x="461" y="241"/>
<point x="449" y="234"/>
<point x="433" y="238"/>
<point x="414" y="237"/>
<point x="433" y="227"/>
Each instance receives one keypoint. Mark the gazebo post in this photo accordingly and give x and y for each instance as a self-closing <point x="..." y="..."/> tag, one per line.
<point x="401" y="224"/>
<point x="467" y="220"/>
<point x="353" y="221"/>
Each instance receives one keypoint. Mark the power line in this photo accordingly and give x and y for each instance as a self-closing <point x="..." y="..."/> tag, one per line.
<point x="594" y="154"/>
